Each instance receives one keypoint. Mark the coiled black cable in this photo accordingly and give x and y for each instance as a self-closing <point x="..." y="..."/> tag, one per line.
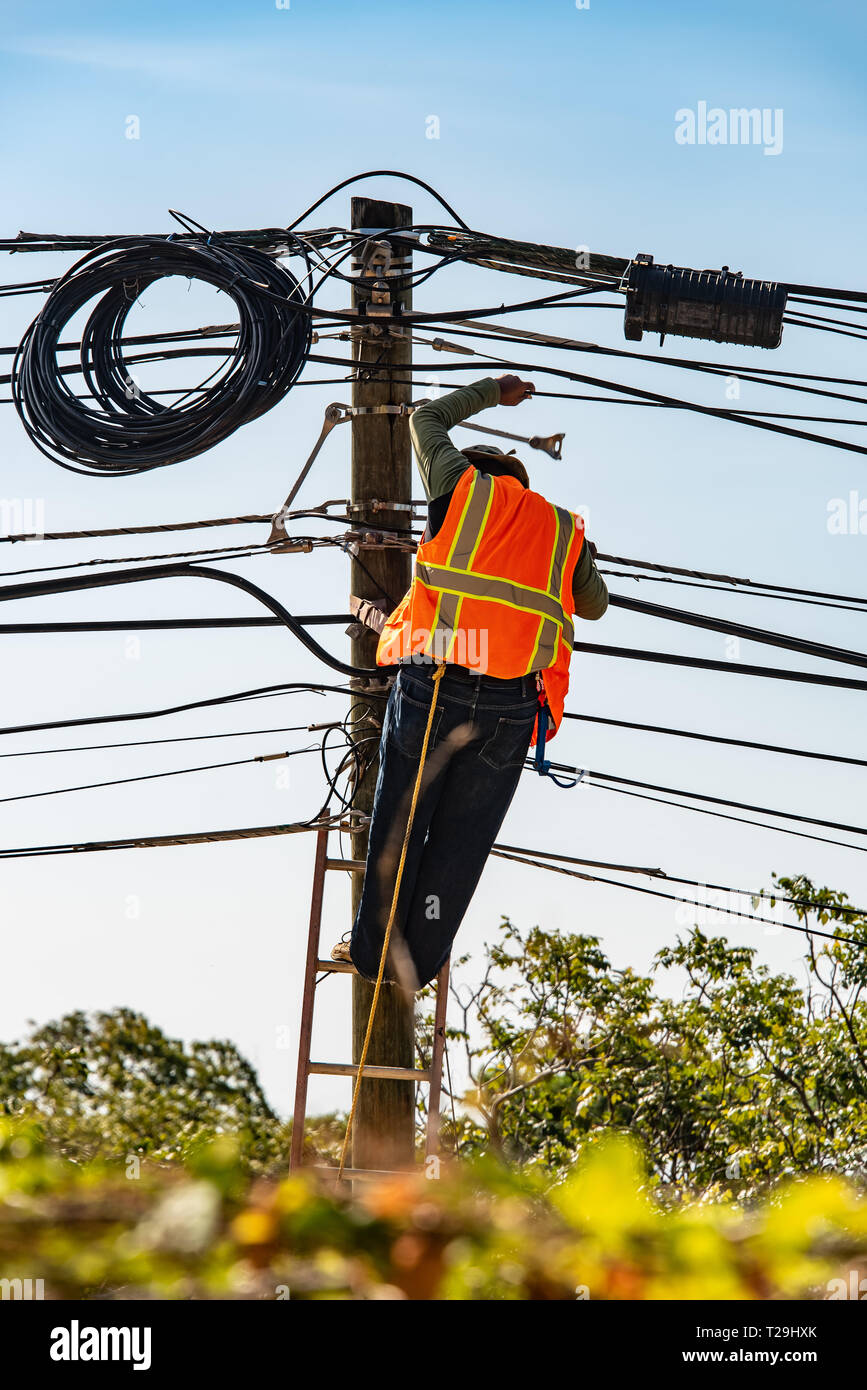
<point x="121" y="429"/>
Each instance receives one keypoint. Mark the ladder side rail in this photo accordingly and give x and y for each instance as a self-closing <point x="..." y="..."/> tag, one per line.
<point x="306" y="1033"/>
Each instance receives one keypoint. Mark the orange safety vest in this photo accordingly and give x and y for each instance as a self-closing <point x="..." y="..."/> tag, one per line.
<point x="492" y="590"/>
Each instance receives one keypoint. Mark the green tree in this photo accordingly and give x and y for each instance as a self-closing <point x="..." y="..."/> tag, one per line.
<point x="109" y="1085"/>
<point x="738" y="1079"/>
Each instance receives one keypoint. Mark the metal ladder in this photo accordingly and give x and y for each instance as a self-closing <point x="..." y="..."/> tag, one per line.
<point x="315" y="965"/>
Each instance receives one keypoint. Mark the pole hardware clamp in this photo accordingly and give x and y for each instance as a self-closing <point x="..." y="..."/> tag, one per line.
<point x="335" y="414"/>
<point x="376" y="504"/>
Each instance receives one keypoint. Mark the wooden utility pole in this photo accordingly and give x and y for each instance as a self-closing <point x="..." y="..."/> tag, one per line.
<point x="384" y="1126"/>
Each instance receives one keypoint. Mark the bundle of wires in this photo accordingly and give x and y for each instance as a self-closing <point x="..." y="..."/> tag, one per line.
<point x="119" y="429"/>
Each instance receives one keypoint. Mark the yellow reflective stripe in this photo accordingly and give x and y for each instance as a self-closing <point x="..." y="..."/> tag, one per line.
<point x="472" y="524"/>
<point x="564" y="556"/>
<point x="532" y="662"/>
<point x="548" y="648"/>
<point x="564" y="624"/>
<point x="481" y="574"/>
<point x="482" y="524"/>
<point x="428" y="643"/>
<point x="474" y="585"/>
<point x="454" y="636"/>
<point x="554" y="549"/>
<point x="459" y="527"/>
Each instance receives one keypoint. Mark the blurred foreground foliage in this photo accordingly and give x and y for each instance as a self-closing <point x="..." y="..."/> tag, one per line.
<point x="206" y="1229"/>
<point x="617" y="1140"/>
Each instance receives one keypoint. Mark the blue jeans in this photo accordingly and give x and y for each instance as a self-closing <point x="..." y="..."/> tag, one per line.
<point x="479" y="740"/>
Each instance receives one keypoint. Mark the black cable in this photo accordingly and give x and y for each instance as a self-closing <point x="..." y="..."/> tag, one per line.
<point x="717" y="412"/>
<point x="673" y="878"/>
<point x="154" y="742"/>
<point x="129" y="431"/>
<point x="376" y="174"/>
<point x="100" y="532"/>
<point x="214" y="553"/>
<point x="757" y="375"/>
<point x="721" y="801"/>
<point x="194" y="837"/>
<point x="702" y="810"/>
<point x="750" y="634"/>
<point x="153" y="776"/>
<point x="719" y="815"/>
<point x="42" y="587"/>
<point x="729" y="579"/>
<point x="859" y="606"/>
<point x="168" y="624"/>
<point x="263" y="692"/>
<point x="700" y="663"/>
<point x="717" y="738"/>
<point x="68" y="584"/>
<point x="677" y="898"/>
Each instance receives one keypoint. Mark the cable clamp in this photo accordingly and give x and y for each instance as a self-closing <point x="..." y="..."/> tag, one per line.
<point x="377" y="505"/>
<point x="292" y="547"/>
<point x="441" y="345"/>
<point x="354" y="410"/>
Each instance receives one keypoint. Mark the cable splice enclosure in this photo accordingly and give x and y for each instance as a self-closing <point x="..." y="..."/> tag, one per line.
<point x="716" y="304"/>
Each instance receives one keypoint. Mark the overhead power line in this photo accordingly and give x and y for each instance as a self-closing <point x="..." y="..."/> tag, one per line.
<point x="751" y="634"/>
<point x="734" y="581"/>
<point x="700" y="663"/>
<point x="718" y="738"/>
<point x="716" y="815"/>
<point x="197" y="837"/>
<point x="97" y="533"/>
<point x="170" y="624"/>
<point x="678" y="898"/>
<point x="156" y="776"/>
<point x="154" y="742"/>
<point x="772" y="897"/>
<point x="723" y="801"/>
<point x="41" y="588"/>
<point x="264" y="692"/>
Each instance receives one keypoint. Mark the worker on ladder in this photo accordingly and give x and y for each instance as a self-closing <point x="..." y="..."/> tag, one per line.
<point x="499" y="574"/>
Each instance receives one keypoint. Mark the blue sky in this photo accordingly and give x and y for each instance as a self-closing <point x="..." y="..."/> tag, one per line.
<point x="556" y="125"/>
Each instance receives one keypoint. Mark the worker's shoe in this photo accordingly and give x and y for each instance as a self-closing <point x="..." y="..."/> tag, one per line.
<point x="341" y="952"/>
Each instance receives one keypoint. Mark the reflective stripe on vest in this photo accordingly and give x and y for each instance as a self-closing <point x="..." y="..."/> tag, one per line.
<point x="492" y="590"/>
<point x="455" y="581"/>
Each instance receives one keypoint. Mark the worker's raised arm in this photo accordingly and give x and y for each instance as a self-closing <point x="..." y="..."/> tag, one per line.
<point x="589" y="590"/>
<point x="440" y="464"/>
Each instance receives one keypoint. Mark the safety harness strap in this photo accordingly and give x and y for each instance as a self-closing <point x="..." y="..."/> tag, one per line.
<point x="541" y="764"/>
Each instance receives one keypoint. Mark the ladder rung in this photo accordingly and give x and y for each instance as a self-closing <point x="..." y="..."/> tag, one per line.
<point x="355" y="866"/>
<point x="337" y="967"/>
<point x="373" y="1072"/>
<point x="362" y="1174"/>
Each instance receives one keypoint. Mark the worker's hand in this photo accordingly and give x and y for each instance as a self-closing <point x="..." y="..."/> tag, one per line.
<point x="513" y="390"/>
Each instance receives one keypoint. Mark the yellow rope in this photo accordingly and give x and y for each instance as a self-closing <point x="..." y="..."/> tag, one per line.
<point x="438" y="674"/>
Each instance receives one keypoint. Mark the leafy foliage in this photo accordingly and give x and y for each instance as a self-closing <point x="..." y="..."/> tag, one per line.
<point x="745" y="1078"/>
<point x="480" y="1232"/>
<point x="112" y="1085"/>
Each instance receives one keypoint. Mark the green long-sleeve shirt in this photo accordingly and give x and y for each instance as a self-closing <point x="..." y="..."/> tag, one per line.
<point x="441" y="465"/>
